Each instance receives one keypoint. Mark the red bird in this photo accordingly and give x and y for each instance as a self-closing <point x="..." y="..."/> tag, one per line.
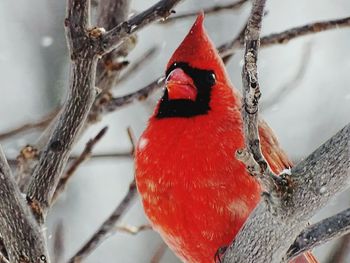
<point x="194" y="192"/>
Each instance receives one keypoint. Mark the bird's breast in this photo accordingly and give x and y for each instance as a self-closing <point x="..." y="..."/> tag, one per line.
<point x="195" y="193"/>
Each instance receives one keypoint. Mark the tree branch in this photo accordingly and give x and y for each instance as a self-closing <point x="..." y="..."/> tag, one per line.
<point x="75" y="164"/>
<point x="21" y="235"/>
<point x="211" y="10"/>
<point x="80" y="98"/>
<point x="285" y="36"/>
<point x="320" y="233"/>
<point x="85" y="46"/>
<point x="292" y="198"/>
<point x="161" y="10"/>
<point x="159" y="253"/>
<point x="107" y="228"/>
<point x="42" y="123"/>
<point x="141" y="94"/>
<point x="292" y="83"/>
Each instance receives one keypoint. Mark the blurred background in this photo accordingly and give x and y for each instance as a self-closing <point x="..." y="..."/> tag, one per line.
<point x="34" y="76"/>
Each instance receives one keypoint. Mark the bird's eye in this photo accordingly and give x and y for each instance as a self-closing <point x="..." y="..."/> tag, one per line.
<point x="210" y="78"/>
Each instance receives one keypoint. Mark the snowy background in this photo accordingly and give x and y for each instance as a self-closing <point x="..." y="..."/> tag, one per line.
<point x="34" y="72"/>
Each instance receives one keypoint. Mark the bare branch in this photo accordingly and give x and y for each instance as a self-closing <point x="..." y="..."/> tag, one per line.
<point x="21" y="235"/>
<point x="141" y="94"/>
<point x="77" y="162"/>
<point x="291" y="84"/>
<point x="285" y="36"/>
<point x="290" y="34"/>
<point x="115" y="36"/>
<point x="158" y="255"/>
<point x="110" y="14"/>
<point x="40" y="124"/>
<point x="107" y="228"/>
<point x="268" y="233"/>
<point x="58" y="244"/>
<point x="126" y="154"/>
<point x="80" y="98"/>
<point x="132" y="139"/>
<point x="140" y="62"/>
<point x="211" y="10"/>
<point x="251" y="96"/>
<point x="320" y="233"/>
<point x="85" y="46"/>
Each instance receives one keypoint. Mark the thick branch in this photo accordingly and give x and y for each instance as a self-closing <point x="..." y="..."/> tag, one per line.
<point x="320" y="233"/>
<point x="268" y="233"/>
<point x="21" y="235"/>
<point x="80" y="98"/>
<point x="107" y="228"/>
<point x="86" y="45"/>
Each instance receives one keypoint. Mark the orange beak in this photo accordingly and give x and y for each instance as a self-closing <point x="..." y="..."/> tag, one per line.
<point x="180" y="86"/>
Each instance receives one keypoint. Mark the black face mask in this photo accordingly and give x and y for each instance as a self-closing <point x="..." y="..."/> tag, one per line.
<point x="203" y="80"/>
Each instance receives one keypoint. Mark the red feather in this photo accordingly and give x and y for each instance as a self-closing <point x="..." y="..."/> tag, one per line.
<point x="194" y="192"/>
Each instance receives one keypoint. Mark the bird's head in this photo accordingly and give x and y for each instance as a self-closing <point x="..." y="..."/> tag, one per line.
<point x="196" y="79"/>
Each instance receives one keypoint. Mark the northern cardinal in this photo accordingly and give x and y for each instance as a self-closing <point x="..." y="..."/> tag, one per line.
<point x="194" y="191"/>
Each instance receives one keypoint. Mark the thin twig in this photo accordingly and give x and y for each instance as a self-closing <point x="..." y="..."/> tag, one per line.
<point x="320" y="233"/>
<point x="139" y="63"/>
<point x="77" y="162"/>
<point x="23" y="240"/>
<point x="158" y="255"/>
<point x="126" y="154"/>
<point x="291" y="84"/>
<point x="211" y="10"/>
<point x="58" y="243"/>
<point x="132" y="230"/>
<point x="132" y="139"/>
<point x="107" y="228"/>
<point x="285" y="36"/>
<point x="112" y="38"/>
<point x="40" y="124"/>
<point x="140" y="95"/>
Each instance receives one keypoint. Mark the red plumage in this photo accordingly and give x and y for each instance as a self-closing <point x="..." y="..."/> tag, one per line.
<point x="194" y="192"/>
